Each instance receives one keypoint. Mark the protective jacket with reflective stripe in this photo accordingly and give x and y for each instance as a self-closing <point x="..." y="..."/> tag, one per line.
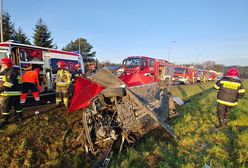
<point x="76" y="73"/>
<point x="9" y="82"/>
<point x="230" y="89"/>
<point x="63" y="77"/>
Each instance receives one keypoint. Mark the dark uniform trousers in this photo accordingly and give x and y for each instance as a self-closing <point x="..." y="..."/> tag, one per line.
<point x="222" y="112"/>
<point x="7" y="102"/>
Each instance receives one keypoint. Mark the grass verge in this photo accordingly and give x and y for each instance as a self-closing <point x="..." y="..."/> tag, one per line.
<point x="200" y="142"/>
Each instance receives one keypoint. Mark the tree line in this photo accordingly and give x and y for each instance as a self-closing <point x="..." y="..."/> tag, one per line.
<point x="43" y="37"/>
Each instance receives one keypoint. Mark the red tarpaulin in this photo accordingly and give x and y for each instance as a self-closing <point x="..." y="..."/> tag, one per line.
<point x="85" y="91"/>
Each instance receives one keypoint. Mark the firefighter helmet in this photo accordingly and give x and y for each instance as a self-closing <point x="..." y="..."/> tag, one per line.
<point x="61" y="64"/>
<point x="7" y="61"/>
<point x="233" y="72"/>
<point x="77" y="66"/>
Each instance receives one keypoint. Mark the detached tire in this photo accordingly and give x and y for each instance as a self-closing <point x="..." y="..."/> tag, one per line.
<point x="112" y="92"/>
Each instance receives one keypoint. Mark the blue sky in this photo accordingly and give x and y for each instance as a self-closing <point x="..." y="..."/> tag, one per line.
<point x="203" y="29"/>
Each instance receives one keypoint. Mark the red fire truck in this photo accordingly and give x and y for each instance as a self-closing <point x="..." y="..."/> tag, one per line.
<point x="184" y="74"/>
<point x="204" y="75"/>
<point x="139" y="70"/>
<point x="212" y="75"/>
<point x="46" y="58"/>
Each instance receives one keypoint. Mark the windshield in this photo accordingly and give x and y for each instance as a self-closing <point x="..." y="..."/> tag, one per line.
<point x="27" y="55"/>
<point x="169" y="70"/>
<point x="180" y="70"/>
<point x="200" y="72"/>
<point x="3" y="55"/>
<point x="131" y="62"/>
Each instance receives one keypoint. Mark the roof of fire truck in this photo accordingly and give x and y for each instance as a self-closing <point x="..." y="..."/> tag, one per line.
<point x="139" y="57"/>
<point x="163" y="62"/>
<point x="181" y="66"/>
<point x="10" y="43"/>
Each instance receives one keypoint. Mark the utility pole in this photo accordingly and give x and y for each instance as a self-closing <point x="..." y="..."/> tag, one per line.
<point x="1" y="19"/>
<point x="170" y="49"/>
<point x="79" y="49"/>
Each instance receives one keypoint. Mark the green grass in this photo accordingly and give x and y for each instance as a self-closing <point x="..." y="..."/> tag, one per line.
<point x="199" y="142"/>
<point x="38" y="142"/>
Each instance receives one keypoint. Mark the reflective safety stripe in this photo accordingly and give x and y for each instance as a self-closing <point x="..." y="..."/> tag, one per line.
<point x="58" y="101"/>
<point x="7" y="84"/>
<point x="242" y="91"/>
<point x="11" y="93"/>
<point x="227" y="103"/>
<point x="61" y="84"/>
<point x="4" y="78"/>
<point x="18" y="111"/>
<point x="1" y="77"/>
<point x="230" y="85"/>
<point x="216" y="87"/>
<point x="5" y="113"/>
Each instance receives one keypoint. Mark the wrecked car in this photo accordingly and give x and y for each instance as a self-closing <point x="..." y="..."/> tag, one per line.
<point x="112" y="111"/>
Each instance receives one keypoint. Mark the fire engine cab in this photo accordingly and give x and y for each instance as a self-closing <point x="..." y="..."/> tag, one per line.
<point x="45" y="58"/>
<point x="134" y="64"/>
<point x="140" y="70"/>
<point x="181" y="74"/>
<point x="185" y="74"/>
<point x="212" y="75"/>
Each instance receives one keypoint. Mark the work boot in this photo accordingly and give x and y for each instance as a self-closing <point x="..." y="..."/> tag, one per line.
<point x="59" y="104"/>
<point x="19" y="117"/>
<point x="221" y="124"/>
<point x="218" y="126"/>
<point x="4" y="121"/>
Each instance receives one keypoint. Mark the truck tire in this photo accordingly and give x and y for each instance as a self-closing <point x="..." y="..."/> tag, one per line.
<point x="112" y="92"/>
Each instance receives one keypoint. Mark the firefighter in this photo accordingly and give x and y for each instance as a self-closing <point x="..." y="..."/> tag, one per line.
<point x="230" y="90"/>
<point x="92" y="69"/>
<point x="30" y="82"/>
<point x="9" y="91"/>
<point x="78" y="72"/>
<point x="63" y="81"/>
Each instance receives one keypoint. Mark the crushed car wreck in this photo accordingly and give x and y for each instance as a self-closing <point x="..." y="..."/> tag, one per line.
<point x="112" y="111"/>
